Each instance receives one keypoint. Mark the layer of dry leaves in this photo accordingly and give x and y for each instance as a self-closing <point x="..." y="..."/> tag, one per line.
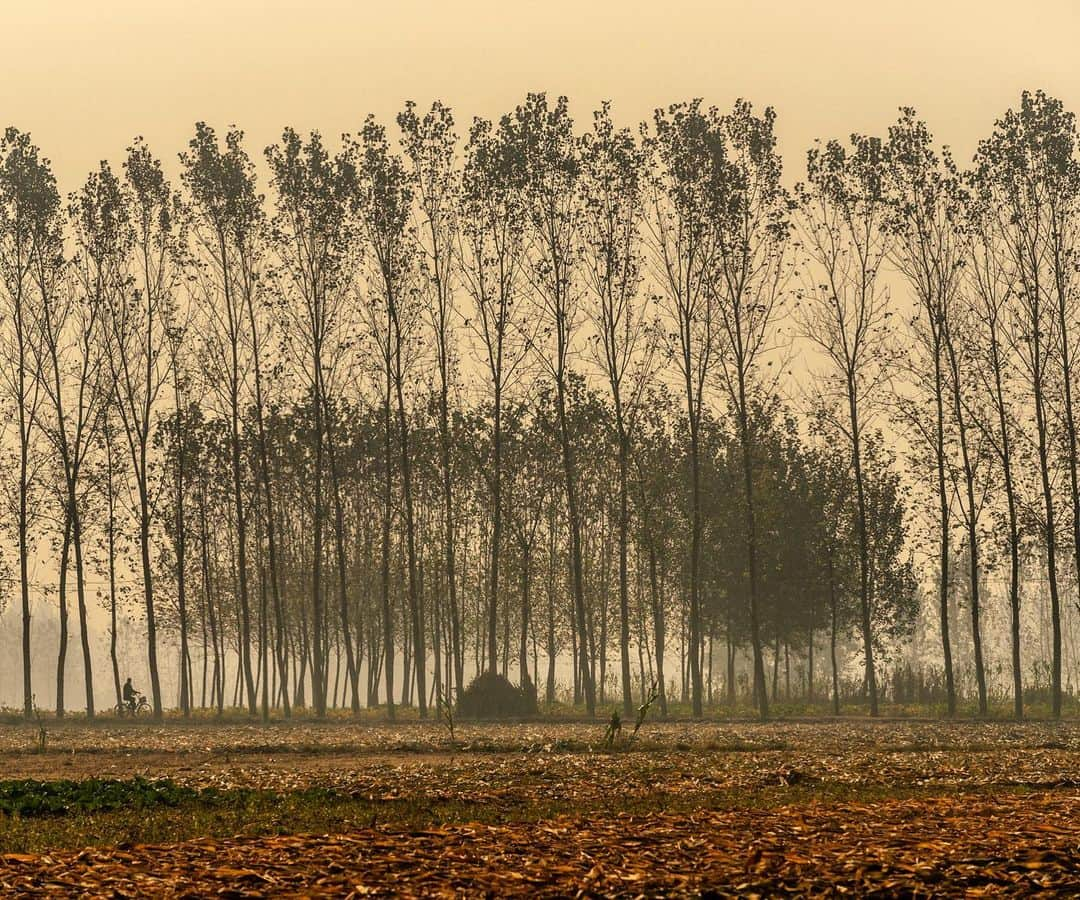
<point x="302" y="736"/>
<point x="680" y="760"/>
<point x="1013" y="844"/>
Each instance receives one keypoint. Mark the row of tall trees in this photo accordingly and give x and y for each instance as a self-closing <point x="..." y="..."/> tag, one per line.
<point x="438" y="406"/>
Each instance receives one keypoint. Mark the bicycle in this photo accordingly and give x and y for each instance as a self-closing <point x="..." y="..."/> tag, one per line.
<point x="136" y="709"/>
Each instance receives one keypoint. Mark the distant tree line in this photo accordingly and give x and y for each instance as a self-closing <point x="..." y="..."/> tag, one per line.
<point x="435" y="406"/>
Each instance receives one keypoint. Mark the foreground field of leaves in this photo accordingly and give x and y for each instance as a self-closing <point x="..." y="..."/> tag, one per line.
<point x="1014" y="844"/>
<point x="542" y="808"/>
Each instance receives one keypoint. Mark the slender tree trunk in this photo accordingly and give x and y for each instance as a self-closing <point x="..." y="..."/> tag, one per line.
<point x="659" y="629"/>
<point x="319" y="653"/>
<point x="238" y="492"/>
<point x="694" y="623"/>
<point x="624" y="587"/>
<point x="1014" y="528"/>
<point x="268" y="501"/>
<point x="436" y="635"/>
<point x="1064" y="317"/>
<point x="972" y="526"/>
<point x="729" y="688"/>
<point x="776" y="668"/>
<point x="264" y="649"/>
<point x="833" y="625"/>
<point x="943" y="501"/>
<point x="241" y="542"/>
<point x="300" y="697"/>
<point x="148" y="585"/>
<point x="24" y="529"/>
<point x="416" y="612"/>
<point x="181" y="568"/>
<point x="1051" y="552"/>
<point x="65" y="556"/>
<point x="523" y="648"/>
<point x="751" y="550"/>
<point x="84" y="631"/>
<point x="388" y="623"/>
<point x="864" y="550"/>
<point x="496" y="531"/>
<point x="208" y="599"/>
<point x="339" y="547"/>
<point x="445" y="461"/>
<point x="112" y="597"/>
<point x="26" y="414"/>
<point x="574" y="522"/>
<point x="205" y="650"/>
<point x="1038" y="373"/>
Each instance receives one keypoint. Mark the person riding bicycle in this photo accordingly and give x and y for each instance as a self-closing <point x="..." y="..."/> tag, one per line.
<point x="131" y="696"/>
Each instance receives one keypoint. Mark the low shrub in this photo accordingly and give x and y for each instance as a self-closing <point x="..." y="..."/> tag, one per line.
<point x="490" y="696"/>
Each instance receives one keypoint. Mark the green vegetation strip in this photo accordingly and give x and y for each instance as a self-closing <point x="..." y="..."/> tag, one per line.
<point x="30" y="798"/>
<point x="52" y="815"/>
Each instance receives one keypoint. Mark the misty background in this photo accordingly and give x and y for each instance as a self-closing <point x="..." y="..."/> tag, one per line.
<point x="85" y="79"/>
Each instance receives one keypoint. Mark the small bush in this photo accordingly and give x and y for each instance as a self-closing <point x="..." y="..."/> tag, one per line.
<point x="490" y="696"/>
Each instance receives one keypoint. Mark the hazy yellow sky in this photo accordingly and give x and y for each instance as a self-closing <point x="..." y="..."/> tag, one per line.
<point x="85" y="76"/>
